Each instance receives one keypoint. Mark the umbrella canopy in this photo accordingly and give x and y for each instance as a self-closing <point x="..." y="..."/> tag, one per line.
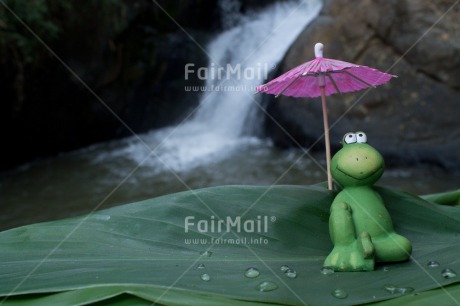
<point x="323" y="77"/>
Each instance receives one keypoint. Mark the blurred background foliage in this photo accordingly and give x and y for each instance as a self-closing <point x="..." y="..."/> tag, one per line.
<point x="27" y="25"/>
<point x="128" y="52"/>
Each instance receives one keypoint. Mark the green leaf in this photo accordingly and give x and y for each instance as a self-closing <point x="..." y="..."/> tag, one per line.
<point x="142" y="252"/>
<point x="449" y="295"/>
<point x="444" y="198"/>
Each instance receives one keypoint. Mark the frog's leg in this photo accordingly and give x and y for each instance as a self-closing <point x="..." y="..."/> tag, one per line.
<point x="366" y="245"/>
<point x="350" y="253"/>
<point x="392" y="247"/>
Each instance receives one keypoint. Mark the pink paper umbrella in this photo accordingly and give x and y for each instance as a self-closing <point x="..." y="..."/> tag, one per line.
<point x="321" y="77"/>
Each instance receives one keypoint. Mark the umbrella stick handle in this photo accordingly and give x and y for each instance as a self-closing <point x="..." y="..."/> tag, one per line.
<point x="326" y="137"/>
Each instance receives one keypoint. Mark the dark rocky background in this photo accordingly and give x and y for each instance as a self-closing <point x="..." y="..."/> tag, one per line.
<point x="132" y="55"/>
<point x="413" y="119"/>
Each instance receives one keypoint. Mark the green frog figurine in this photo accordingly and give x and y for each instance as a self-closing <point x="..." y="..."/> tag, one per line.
<point x="360" y="226"/>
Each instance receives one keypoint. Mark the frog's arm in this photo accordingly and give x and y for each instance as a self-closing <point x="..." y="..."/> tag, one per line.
<point x="341" y="226"/>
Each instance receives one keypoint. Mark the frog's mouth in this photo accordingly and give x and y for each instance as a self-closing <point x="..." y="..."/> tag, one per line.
<point x="362" y="174"/>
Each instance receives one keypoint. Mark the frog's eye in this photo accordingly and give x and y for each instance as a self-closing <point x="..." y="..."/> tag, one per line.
<point x="349" y="138"/>
<point x="361" y="137"/>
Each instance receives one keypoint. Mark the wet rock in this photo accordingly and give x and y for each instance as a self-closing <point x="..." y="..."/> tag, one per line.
<point x="414" y="118"/>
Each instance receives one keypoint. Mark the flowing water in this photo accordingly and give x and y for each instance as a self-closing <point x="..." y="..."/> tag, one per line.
<point x="216" y="146"/>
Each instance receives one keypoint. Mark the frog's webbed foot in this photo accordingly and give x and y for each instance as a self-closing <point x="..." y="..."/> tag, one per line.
<point x="356" y="256"/>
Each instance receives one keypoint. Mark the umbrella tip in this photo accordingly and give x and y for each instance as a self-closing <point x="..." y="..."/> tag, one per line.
<point x="319" y="49"/>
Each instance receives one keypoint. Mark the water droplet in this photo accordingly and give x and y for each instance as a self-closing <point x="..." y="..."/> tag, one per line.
<point x="205" y="277"/>
<point x="339" y="293"/>
<point x="291" y="273"/>
<point x="201" y="266"/>
<point x="386" y="269"/>
<point x="266" y="286"/>
<point x="404" y="290"/>
<point x="327" y="270"/>
<point x="390" y="288"/>
<point x="448" y="273"/>
<point x="284" y="268"/>
<point x="397" y="290"/>
<point x="206" y="253"/>
<point x="251" y="272"/>
<point x="433" y="264"/>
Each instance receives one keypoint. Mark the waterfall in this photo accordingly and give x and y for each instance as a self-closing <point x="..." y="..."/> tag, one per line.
<point x="241" y="58"/>
<point x="245" y="55"/>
